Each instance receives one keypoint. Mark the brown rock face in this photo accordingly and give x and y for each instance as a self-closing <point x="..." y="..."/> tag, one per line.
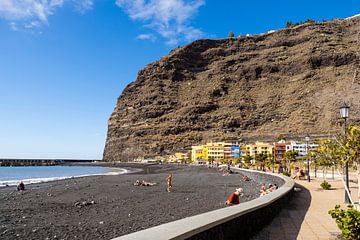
<point x="291" y="81"/>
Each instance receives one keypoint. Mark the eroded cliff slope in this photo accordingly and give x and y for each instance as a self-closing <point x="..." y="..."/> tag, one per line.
<point x="289" y="81"/>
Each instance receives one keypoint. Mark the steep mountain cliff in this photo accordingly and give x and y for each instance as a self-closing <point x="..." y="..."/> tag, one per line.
<point x="290" y="81"/>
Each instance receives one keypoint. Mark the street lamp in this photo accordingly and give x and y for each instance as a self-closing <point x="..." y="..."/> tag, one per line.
<point x="344" y="114"/>
<point x="273" y="160"/>
<point x="307" y="156"/>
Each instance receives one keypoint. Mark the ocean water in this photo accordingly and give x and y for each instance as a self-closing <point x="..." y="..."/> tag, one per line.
<point x="11" y="176"/>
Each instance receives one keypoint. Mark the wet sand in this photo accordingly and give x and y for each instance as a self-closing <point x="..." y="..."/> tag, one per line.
<point x="104" y="207"/>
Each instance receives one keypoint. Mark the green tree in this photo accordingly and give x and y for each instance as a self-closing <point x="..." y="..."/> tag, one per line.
<point x="343" y="150"/>
<point x="350" y="149"/>
<point x="269" y="161"/>
<point x="236" y="160"/>
<point x="327" y="154"/>
<point x="231" y="35"/>
<point x="289" y="157"/>
<point x="261" y="159"/>
<point x="247" y="159"/>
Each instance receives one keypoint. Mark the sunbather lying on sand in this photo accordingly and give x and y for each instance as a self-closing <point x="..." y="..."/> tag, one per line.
<point x="246" y="178"/>
<point x="144" y="183"/>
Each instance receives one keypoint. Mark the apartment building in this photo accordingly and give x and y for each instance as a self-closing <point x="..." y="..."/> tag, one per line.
<point x="301" y="148"/>
<point x="280" y="150"/>
<point x="256" y="148"/>
<point x="214" y="151"/>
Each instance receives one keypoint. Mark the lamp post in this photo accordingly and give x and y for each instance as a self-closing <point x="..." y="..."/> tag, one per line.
<point x="273" y="159"/>
<point x="308" y="163"/>
<point x="344" y="114"/>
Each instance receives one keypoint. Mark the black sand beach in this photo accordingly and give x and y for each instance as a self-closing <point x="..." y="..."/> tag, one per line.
<point x="64" y="209"/>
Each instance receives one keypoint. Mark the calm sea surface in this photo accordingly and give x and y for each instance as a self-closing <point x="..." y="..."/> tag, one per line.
<point x="11" y="176"/>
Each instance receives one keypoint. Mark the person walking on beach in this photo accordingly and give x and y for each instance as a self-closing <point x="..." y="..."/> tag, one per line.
<point x="169" y="183"/>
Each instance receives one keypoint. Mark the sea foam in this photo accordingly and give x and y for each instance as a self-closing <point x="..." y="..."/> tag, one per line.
<point x="14" y="182"/>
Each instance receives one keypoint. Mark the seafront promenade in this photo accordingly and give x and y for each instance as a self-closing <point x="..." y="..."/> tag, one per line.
<point x="306" y="217"/>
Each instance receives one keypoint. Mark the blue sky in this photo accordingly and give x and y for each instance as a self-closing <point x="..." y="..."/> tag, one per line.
<point x="63" y="63"/>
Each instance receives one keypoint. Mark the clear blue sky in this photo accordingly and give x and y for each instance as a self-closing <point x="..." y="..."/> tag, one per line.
<point x="63" y="63"/>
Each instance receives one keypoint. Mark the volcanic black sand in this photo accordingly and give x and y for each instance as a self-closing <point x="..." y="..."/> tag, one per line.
<point x="104" y="207"/>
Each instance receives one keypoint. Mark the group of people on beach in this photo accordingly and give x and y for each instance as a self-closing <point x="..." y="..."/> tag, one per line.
<point x="146" y="183"/>
<point x="264" y="190"/>
<point x="234" y="197"/>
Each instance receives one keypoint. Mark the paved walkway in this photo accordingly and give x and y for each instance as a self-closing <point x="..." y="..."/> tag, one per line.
<point x="306" y="216"/>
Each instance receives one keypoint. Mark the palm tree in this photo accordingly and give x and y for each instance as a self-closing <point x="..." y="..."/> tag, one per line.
<point x="261" y="157"/>
<point x="247" y="159"/>
<point x="290" y="156"/>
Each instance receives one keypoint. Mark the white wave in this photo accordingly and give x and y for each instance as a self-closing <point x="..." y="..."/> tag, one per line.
<point x="115" y="171"/>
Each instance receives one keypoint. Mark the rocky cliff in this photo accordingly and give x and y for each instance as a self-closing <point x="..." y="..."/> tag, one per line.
<point x="291" y="81"/>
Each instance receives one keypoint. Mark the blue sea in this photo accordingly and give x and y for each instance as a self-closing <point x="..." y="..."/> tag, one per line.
<point x="11" y="176"/>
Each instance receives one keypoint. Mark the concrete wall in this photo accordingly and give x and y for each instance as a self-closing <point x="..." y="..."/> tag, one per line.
<point x="236" y="222"/>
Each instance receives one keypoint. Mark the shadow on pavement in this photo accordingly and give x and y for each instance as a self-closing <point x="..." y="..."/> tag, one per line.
<point x="286" y="225"/>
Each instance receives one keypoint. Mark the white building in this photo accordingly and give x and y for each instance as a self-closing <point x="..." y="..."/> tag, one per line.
<point x="301" y="147"/>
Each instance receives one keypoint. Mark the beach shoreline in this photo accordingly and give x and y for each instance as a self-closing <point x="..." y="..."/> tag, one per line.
<point x="104" y="207"/>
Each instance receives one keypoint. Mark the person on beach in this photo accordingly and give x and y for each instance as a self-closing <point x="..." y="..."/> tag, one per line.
<point x="169" y="183"/>
<point x="144" y="183"/>
<point x="246" y="178"/>
<point x="234" y="197"/>
<point x="262" y="189"/>
<point x="21" y="186"/>
<point x="270" y="189"/>
<point x="299" y="174"/>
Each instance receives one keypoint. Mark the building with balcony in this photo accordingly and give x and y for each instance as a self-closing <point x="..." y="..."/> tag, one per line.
<point x="227" y="151"/>
<point x="301" y="148"/>
<point x="280" y="150"/>
<point x="214" y="151"/>
<point x="256" y="148"/>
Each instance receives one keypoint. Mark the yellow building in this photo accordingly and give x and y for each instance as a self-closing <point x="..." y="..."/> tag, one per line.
<point x="257" y="148"/>
<point x="244" y="150"/>
<point x="197" y="153"/>
<point x="261" y="147"/>
<point x="214" y="151"/>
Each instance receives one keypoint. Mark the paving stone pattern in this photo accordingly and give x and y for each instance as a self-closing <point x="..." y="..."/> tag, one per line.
<point x="306" y="217"/>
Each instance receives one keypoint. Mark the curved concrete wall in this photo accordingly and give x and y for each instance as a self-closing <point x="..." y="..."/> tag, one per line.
<point x="236" y="222"/>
